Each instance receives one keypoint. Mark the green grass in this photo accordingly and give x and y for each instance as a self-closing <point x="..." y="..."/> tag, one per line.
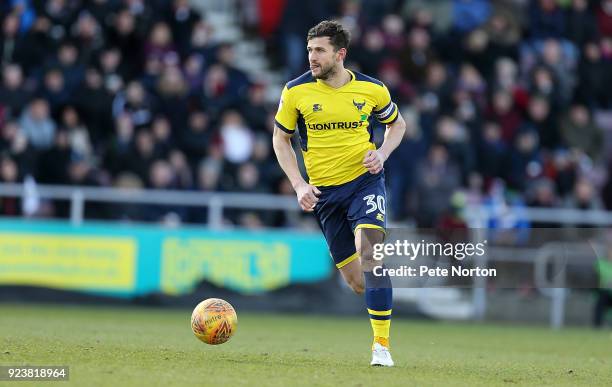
<point x="155" y="347"/>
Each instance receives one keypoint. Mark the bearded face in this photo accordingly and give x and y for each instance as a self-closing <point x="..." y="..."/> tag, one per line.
<point x="323" y="58"/>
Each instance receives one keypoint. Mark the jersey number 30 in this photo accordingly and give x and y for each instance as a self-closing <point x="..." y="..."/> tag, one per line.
<point x="373" y="205"/>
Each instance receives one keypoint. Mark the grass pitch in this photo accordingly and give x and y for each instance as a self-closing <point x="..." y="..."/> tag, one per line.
<point x="155" y="347"/>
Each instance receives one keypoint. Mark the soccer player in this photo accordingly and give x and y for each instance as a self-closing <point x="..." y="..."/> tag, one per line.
<point x="331" y="106"/>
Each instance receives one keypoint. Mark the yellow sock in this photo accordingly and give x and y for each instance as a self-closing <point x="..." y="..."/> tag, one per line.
<point x="380" y="328"/>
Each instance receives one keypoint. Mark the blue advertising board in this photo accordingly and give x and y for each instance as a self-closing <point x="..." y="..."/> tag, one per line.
<point x="135" y="259"/>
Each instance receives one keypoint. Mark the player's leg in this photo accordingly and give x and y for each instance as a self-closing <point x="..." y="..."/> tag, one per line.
<point x="378" y="289"/>
<point x="332" y="218"/>
<point x="367" y="216"/>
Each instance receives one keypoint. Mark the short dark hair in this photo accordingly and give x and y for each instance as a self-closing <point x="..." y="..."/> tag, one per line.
<point x="338" y="36"/>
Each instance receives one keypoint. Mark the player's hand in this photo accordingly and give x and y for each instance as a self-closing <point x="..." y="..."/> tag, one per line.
<point x="374" y="161"/>
<point x="308" y="196"/>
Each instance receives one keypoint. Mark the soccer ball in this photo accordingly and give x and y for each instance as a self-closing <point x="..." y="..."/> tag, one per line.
<point x="214" y="321"/>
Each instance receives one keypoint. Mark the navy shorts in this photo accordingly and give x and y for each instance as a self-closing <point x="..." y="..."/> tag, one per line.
<point x="343" y="209"/>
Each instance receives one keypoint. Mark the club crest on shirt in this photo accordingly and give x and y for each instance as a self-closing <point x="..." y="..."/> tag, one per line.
<point x="317" y="107"/>
<point x="359" y="105"/>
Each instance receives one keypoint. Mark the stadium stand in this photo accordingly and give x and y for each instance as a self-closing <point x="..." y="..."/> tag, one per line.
<point x="507" y="96"/>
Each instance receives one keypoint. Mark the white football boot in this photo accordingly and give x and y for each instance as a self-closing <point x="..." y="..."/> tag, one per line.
<point x="381" y="356"/>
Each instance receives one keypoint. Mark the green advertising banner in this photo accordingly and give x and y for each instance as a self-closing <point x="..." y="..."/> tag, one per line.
<point x="130" y="259"/>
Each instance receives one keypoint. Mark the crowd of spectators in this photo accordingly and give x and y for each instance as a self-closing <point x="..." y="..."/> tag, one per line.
<point x="507" y="100"/>
<point x="127" y="93"/>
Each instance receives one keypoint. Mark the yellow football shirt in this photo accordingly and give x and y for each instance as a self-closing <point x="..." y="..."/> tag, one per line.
<point x="333" y="123"/>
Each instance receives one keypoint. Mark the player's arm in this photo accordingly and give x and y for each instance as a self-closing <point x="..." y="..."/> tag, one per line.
<point x="387" y="114"/>
<point x="374" y="160"/>
<point x="307" y="194"/>
<point x="284" y="128"/>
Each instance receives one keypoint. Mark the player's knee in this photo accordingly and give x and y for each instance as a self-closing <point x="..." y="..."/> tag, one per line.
<point x="367" y="260"/>
<point x="365" y="241"/>
<point x="365" y="255"/>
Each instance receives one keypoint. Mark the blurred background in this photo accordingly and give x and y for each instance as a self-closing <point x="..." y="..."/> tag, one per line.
<point x="136" y="161"/>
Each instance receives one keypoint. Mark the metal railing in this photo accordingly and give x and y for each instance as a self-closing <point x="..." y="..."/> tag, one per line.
<point x="216" y="202"/>
<point x="477" y="215"/>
